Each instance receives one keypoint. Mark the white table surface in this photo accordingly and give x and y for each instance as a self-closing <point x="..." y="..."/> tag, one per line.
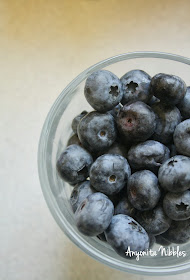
<point x="43" y="46"/>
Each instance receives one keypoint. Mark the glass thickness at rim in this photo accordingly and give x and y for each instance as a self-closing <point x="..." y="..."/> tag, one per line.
<point x="42" y="169"/>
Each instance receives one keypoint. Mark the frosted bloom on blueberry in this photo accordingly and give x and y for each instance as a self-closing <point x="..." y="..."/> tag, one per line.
<point x="148" y="155"/>
<point x="97" y="131"/>
<point x="169" y="89"/>
<point x="143" y="190"/>
<point x="74" y="164"/>
<point x="94" y="214"/>
<point x="177" y="205"/>
<point x="109" y="173"/>
<point x="174" y="174"/>
<point x="124" y="232"/>
<point x="136" y="121"/>
<point x="136" y="86"/>
<point x="103" y="90"/>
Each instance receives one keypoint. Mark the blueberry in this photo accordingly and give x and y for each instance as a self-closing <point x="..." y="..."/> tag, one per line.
<point x="125" y="207"/>
<point x="167" y="118"/>
<point x="169" y="89"/>
<point x="184" y="105"/>
<point x="136" y="86"/>
<point x="177" y="205"/>
<point x="94" y="214"/>
<point x="148" y="155"/>
<point x="143" y="190"/>
<point x="162" y="241"/>
<point x="79" y="193"/>
<point x="74" y="140"/>
<point x="103" y="90"/>
<point x="97" y="131"/>
<point x="102" y="237"/>
<point x="154" y="221"/>
<point x="124" y="232"/>
<point x="136" y="121"/>
<point x="174" y="174"/>
<point x="77" y="119"/>
<point x="179" y="232"/>
<point x="73" y="164"/>
<point x="109" y="173"/>
<point x="182" y="138"/>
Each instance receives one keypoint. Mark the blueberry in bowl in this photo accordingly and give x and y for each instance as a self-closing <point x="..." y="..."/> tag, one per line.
<point x="57" y="130"/>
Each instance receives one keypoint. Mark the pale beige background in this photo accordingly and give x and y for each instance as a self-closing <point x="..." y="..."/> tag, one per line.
<point x="43" y="46"/>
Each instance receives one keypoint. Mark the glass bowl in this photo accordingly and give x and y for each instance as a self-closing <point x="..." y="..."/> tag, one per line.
<point x="55" y="134"/>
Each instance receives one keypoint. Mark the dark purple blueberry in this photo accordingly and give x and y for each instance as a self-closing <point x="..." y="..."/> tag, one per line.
<point x="76" y="120"/>
<point x="182" y="138"/>
<point x="154" y="221"/>
<point x="143" y="190"/>
<point x="73" y="164"/>
<point x="97" y="131"/>
<point x="74" y="140"/>
<point x="179" y="232"/>
<point x="162" y="241"/>
<point x="109" y="173"/>
<point x="124" y="233"/>
<point x="184" y="105"/>
<point x="169" y="89"/>
<point x="167" y="118"/>
<point x="79" y="193"/>
<point x="136" y="86"/>
<point x="103" y="90"/>
<point x="177" y="205"/>
<point x="136" y="121"/>
<point x="94" y="214"/>
<point x="148" y="155"/>
<point x="124" y="207"/>
<point x="174" y="174"/>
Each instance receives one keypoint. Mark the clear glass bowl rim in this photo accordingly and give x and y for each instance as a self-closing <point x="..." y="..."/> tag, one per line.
<point x="42" y="170"/>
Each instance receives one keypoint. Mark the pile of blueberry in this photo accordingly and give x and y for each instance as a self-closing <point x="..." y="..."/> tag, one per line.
<point x="129" y="161"/>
